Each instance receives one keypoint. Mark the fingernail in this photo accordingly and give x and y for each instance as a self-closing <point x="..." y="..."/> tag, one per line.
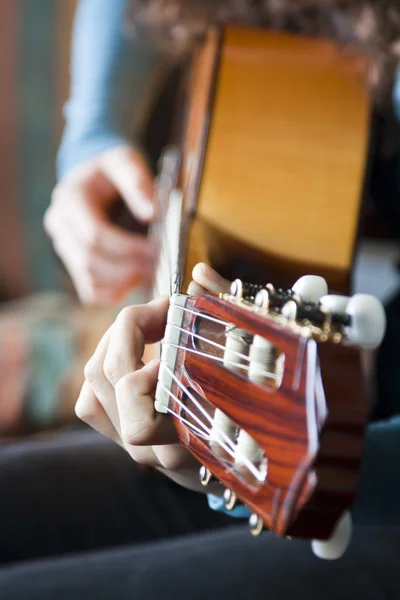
<point x="145" y="209"/>
<point x="194" y="289"/>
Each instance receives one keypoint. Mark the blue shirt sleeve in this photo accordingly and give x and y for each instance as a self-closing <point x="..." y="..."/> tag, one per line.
<point x="217" y="503"/>
<point x="110" y="72"/>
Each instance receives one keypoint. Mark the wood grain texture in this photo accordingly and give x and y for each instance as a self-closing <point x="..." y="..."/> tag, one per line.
<point x="286" y="151"/>
<point x="311" y="434"/>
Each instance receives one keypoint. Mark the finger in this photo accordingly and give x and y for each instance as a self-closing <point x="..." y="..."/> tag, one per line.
<point x="98" y="234"/>
<point x="209" y="279"/>
<point x="141" y="424"/>
<point x="98" y="296"/>
<point x="88" y="290"/>
<point x="89" y="410"/>
<point x="107" y="272"/>
<point x="174" y="457"/>
<point x="98" y="382"/>
<point x="101" y="279"/>
<point x="78" y="210"/>
<point x="194" y="289"/>
<point x="134" y="327"/>
<point x="129" y="172"/>
<point x="143" y="455"/>
<point x="69" y="254"/>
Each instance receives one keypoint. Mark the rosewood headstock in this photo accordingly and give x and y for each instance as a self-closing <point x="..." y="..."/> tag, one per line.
<point x="266" y="389"/>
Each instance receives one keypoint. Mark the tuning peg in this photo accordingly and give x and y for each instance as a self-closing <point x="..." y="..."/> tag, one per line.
<point x="236" y="288"/>
<point x="246" y="291"/>
<point x="368" y="321"/>
<point x="256" y="525"/>
<point x="337" y="544"/>
<point x="262" y="299"/>
<point x="310" y="288"/>
<point x="289" y="310"/>
<point x="230" y="499"/>
<point x="335" y="303"/>
<point x="205" y="476"/>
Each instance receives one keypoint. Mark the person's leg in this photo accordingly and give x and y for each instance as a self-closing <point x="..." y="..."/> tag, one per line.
<point x="384" y="191"/>
<point x="387" y="364"/>
<point x="79" y="491"/>
<point x="228" y="564"/>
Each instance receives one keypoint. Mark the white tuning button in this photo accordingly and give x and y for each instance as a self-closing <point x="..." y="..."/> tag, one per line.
<point x="336" y="546"/>
<point x="334" y="303"/>
<point x="310" y="288"/>
<point x="289" y="310"/>
<point x="368" y="321"/>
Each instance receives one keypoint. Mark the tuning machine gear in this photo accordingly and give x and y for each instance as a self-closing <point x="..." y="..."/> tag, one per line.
<point x="256" y="525"/>
<point x="230" y="500"/>
<point x="206" y="476"/>
<point x="244" y="291"/>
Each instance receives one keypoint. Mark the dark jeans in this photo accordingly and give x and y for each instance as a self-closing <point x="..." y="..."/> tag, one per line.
<point x="78" y="521"/>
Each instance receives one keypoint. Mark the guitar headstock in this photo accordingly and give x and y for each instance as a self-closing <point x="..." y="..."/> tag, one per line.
<point x="266" y="389"/>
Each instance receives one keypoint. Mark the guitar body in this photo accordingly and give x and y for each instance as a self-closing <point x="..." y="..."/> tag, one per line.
<point x="274" y="148"/>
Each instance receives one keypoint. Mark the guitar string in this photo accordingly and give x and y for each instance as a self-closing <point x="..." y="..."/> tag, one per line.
<point x="185" y="421"/>
<point x="245" y="462"/>
<point x="189" y="412"/>
<point x="220" y="359"/>
<point x="233" y="454"/>
<point x="208" y="341"/>
<point x="233" y="447"/>
<point x="256" y="473"/>
<point x="165" y="257"/>
<point x="168" y="260"/>
<point x="212" y="357"/>
<point x="198" y="405"/>
<point x="202" y="315"/>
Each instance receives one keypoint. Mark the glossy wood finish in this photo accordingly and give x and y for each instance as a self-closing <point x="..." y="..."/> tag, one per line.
<point x="312" y="435"/>
<point x="286" y="151"/>
<point x="199" y="97"/>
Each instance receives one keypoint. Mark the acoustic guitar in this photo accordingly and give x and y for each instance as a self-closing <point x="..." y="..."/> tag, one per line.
<point x="265" y="384"/>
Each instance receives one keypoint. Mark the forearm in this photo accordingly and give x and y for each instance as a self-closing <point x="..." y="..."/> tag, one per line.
<point x="111" y="72"/>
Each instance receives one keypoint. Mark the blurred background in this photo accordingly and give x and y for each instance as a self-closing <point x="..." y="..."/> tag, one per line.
<point x="45" y="336"/>
<point x="35" y="37"/>
<point x="42" y="327"/>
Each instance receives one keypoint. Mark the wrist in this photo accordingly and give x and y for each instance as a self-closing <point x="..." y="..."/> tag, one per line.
<point x="80" y="147"/>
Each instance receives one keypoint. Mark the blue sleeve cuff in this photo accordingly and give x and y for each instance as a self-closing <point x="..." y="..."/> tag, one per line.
<point x="217" y="503"/>
<point x="73" y="152"/>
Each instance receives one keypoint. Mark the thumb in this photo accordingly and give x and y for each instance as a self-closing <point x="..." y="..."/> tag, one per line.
<point x="127" y="169"/>
<point x="208" y="279"/>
